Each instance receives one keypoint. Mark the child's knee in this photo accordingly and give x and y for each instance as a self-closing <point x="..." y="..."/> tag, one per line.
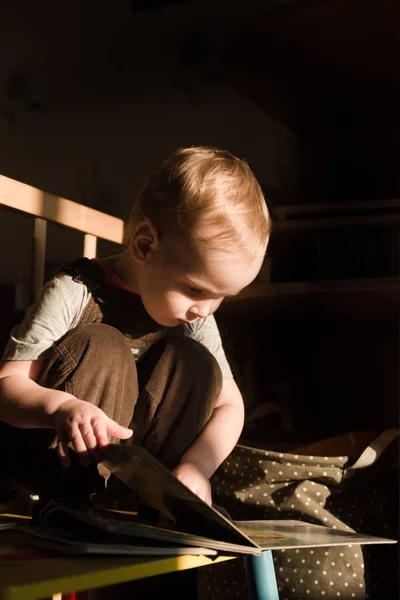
<point x="106" y="343"/>
<point x="193" y="360"/>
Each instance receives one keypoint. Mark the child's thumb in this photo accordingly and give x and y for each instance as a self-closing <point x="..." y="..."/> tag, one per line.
<point x="118" y="431"/>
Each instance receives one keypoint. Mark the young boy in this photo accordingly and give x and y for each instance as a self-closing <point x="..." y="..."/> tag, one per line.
<point x="127" y="347"/>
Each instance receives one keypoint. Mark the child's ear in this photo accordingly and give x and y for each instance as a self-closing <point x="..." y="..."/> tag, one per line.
<point x="144" y="240"/>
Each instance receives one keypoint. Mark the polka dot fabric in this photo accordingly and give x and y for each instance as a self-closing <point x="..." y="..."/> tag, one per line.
<point x="258" y="484"/>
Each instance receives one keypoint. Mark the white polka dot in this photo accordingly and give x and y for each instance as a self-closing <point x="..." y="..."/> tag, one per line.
<point x="331" y="583"/>
<point x="304" y="489"/>
<point x="337" y="593"/>
<point x="297" y="495"/>
<point x="281" y="456"/>
<point x="311" y="551"/>
<point x="288" y="465"/>
<point x="324" y="473"/>
<point x="307" y="591"/>
<point x="295" y="473"/>
<point x="281" y="569"/>
<point x="313" y="483"/>
<point x="347" y="564"/>
<point x="250" y="495"/>
<point x="297" y="551"/>
<point x="318" y="493"/>
<point x="346" y="584"/>
<point x="341" y="554"/>
<point x="325" y="458"/>
<point x="307" y="503"/>
<point x="324" y="572"/>
<point x="360" y="585"/>
<point x="316" y="511"/>
<point x="292" y="506"/>
<point x="354" y="574"/>
<point x="323" y="593"/>
<point x="309" y="473"/>
<point x="356" y="555"/>
<point x="301" y="580"/>
<point x="287" y="579"/>
<point x="326" y="553"/>
<point x="294" y="570"/>
<point x="325" y="519"/>
<point x="280" y="473"/>
<point x="265" y="470"/>
<point x="289" y="560"/>
<point x="273" y="462"/>
<point x="318" y="562"/>
<point x="333" y="564"/>
<point x="303" y="560"/>
<point x="316" y="582"/>
<point x="296" y="456"/>
<point x="309" y="571"/>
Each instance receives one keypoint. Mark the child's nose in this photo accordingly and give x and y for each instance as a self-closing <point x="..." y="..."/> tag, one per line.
<point x="201" y="310"/>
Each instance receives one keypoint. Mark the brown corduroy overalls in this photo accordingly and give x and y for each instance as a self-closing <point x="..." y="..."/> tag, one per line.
<point x="145" y="376"/>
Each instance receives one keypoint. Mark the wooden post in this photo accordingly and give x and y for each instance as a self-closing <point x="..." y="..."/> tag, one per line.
<point x="39" y="255"/>
<point x="89" y="246"/>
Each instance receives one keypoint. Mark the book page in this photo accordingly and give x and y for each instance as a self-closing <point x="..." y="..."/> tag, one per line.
<point x="298" y="534"/>
<point x="157" y="487"/>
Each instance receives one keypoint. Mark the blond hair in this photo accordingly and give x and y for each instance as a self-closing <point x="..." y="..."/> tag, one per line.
<point x="204" y="185"/>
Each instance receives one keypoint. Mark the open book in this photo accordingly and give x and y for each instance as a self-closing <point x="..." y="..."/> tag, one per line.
<point x="189" y="524"/>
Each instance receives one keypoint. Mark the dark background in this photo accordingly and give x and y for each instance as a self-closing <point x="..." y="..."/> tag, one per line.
<point x="94" y="94"/>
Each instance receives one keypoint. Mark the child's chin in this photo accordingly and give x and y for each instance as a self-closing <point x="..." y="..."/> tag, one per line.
<point x="166" y="321"/>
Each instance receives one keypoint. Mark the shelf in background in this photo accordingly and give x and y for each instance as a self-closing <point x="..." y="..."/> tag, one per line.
<point x="357" y="298"/>
<point x="376" y="213"/>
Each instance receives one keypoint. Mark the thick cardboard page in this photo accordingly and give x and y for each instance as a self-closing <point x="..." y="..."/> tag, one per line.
<point x="68" y="542"/>
<point x="103" y="525"/>
<point x="298" y="534"/>
<point x="157" y="487"/>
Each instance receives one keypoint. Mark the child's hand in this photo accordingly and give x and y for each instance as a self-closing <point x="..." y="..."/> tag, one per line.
<point x="190" y="475"/>
<point x="87" y="427"/>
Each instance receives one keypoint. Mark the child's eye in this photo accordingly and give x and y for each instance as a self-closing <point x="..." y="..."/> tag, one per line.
<point x="194" y="290"/>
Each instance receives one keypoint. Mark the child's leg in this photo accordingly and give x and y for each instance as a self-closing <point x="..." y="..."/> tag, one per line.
<point x="179" y="381"/>
<point x="94" y="363"/>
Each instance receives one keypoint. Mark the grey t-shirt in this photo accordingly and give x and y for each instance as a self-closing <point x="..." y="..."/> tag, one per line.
<point x="58" y="310"/>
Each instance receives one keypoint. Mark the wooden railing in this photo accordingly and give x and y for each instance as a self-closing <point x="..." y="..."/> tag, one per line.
<point x="46" y="207"/>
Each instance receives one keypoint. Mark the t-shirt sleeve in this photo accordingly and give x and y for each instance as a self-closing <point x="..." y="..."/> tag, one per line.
<point x="57" y="310"/>
<point x="207" y="333"/>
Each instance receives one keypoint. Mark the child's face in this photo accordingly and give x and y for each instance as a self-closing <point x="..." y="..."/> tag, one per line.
<point x="184" y="279"/>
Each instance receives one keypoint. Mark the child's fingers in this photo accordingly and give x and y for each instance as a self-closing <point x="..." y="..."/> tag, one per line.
<point x="122" y="433"/>
<point x="79" y="446"/>
<point x="62" y="451"/>
<point x="88" y="435"/>
<point x="100" y="432"/>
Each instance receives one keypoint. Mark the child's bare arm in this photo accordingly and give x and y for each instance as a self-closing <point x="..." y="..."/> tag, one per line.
<point x="214" y="443"/>
<point x="26" y="404"/>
